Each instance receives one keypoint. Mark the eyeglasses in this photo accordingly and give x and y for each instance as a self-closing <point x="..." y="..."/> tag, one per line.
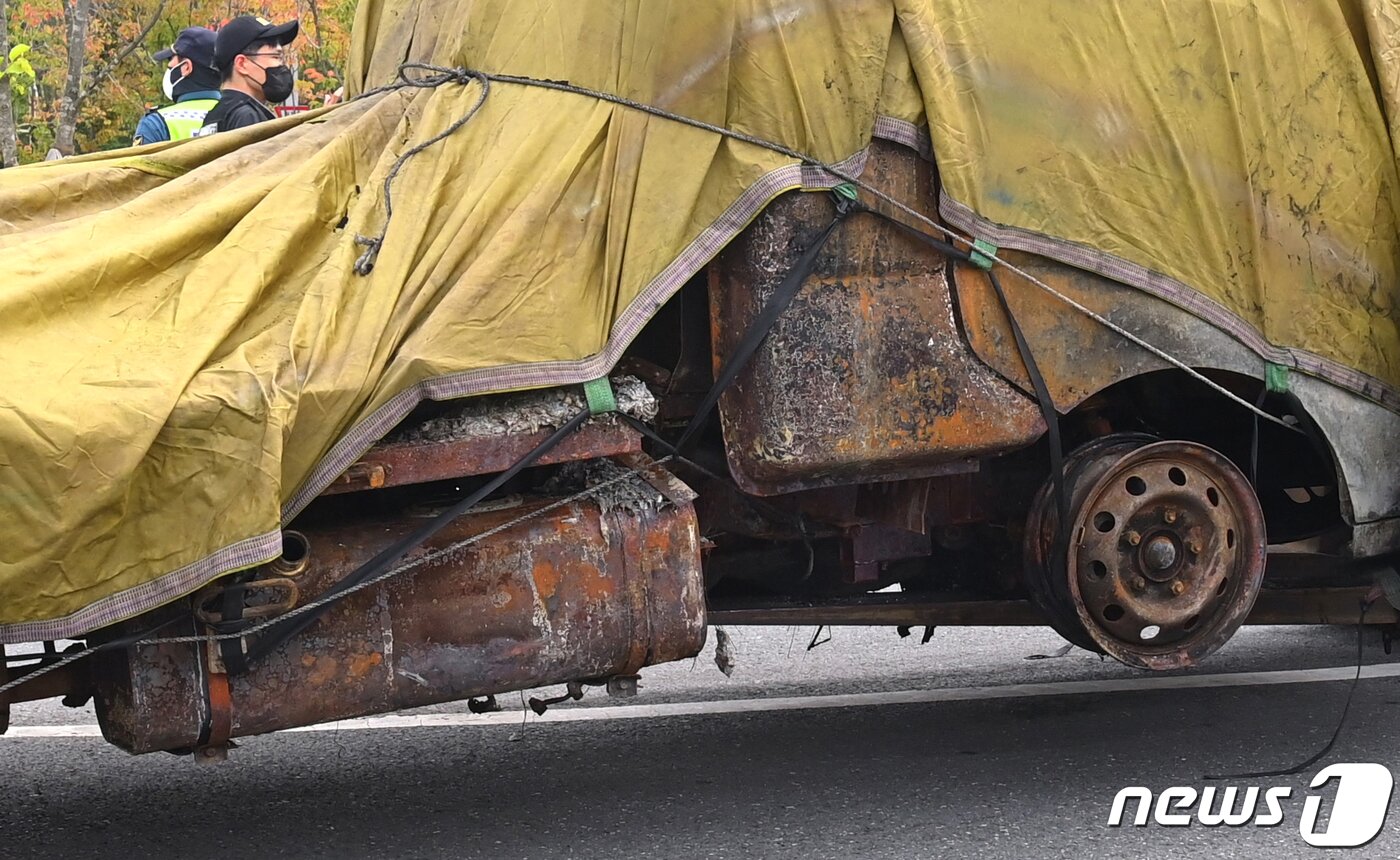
<point x="276" y="55"/>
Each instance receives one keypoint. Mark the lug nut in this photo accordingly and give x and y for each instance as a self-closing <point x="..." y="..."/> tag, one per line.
<point x="1195" y="547"/>
<point x="1178" y="588"/>
<point x="1169" y="515"/>
<point x="1139" y="583"/>
<point x="1133" y="537"/>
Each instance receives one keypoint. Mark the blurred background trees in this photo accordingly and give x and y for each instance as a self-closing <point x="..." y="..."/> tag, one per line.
<point x="76" y="75"/>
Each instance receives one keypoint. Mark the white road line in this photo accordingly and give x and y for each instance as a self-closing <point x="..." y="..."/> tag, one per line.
<point x="800" y="703"/>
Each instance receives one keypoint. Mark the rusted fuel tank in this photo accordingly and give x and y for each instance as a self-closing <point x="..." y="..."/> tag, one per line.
<point x="575" y="593"/>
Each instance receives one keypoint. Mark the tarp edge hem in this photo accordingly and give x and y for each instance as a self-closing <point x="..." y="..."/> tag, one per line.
<point x="148" y="595"/>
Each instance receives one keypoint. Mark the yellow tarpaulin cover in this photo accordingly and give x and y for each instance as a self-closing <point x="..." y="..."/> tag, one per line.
<point x="190" y="356"/>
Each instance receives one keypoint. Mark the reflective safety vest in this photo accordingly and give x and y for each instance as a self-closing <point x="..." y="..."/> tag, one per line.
<point x="183" y="119"/>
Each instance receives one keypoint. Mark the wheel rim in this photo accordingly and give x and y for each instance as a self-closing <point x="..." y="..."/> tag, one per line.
<point x="1166" y="551"/>
<point x="1043" y="571"/>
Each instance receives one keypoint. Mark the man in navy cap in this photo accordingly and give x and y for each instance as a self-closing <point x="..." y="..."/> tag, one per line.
<point x="191" y="82"/>
<point x="249" y="54"/>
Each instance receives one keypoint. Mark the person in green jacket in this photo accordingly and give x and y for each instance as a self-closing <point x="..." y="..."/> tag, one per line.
<point x="191" y="82"/>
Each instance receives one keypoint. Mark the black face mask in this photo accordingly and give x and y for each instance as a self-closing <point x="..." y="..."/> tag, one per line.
<point x="277" y="86"/>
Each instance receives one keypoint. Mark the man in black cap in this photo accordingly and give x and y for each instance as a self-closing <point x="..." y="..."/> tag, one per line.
<point x="248" y="52"/>
<point x="191" y="82"/>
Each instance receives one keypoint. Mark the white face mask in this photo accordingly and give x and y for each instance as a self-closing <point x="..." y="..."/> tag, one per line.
<point x="167" y="84"/>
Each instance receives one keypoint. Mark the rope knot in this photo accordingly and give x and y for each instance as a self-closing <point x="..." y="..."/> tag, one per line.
<point x="437" y="75"/>
<point x="440" y="75"/>
<point x="365" y="263"/>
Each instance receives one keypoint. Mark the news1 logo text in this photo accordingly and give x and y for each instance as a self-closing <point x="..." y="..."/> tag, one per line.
<point x="1356" y="815"/>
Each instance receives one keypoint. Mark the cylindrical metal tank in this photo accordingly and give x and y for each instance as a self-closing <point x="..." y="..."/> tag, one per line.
<point x="575" y="593"/>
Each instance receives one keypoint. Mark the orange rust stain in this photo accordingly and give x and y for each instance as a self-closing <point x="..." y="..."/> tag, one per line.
<point x="324" y="672"/>
<point x="546" y="577"/>
<point x="658" y="540"/>
<point x="362" y="664"/>
<point x="590" y="580"/>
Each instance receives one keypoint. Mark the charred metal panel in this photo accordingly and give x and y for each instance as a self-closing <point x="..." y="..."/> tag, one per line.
<point x="865" y="377"/>
<point x="1365" y="441"/>
<point x="1077" y="355"/>
<point x="576" y="593"/>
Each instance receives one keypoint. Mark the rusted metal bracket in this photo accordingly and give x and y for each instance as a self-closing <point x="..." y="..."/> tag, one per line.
<point x="573" y="693"/>
<point x="288" y="590"/>
<point x="213" y="746"/>
<point x="397" y="464"/>
<point x="69" y="681"/>
<point x="617" y="686"/>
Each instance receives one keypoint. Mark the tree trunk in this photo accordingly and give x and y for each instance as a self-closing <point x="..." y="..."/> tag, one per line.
<point x="315" y="10"/>
<point x="77" y="14"/>
<point x="9" y="143"/>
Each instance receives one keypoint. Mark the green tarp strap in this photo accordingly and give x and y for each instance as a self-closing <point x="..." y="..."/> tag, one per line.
<point x="983" y="254"/>
<point x="1276" y="378"/>
<point x="846" y="190"/>
<point x="601" y="399"/>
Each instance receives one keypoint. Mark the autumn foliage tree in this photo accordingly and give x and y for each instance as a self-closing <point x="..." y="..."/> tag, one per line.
<point x="16" y="75"/>
<point x="93" y="72"/>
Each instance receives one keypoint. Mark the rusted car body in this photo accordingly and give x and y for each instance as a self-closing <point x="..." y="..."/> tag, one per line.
<point x="887" y="431"/>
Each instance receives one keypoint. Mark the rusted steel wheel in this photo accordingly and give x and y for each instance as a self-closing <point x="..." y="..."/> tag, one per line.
<point x="1164" y="555"/>
<point x="1043" y="571"/>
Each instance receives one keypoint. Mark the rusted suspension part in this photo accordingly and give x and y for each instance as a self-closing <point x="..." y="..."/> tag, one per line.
<point x="273" y="592"/>
<point x="264" y="598"/>
<point x="1164" y="556"/>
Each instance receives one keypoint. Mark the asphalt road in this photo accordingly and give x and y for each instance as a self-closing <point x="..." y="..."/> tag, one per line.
<point x="778" y="769"/>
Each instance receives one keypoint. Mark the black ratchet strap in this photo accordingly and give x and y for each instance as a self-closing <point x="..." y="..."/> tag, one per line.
<point x="762" y="324"/>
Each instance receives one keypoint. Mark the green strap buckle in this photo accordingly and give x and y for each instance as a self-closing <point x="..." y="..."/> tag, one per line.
<point x="1276" y="378"/>
<point x="846" y="190"/>
<point x="599" y="393"/>
<point x="983" y="254"/>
